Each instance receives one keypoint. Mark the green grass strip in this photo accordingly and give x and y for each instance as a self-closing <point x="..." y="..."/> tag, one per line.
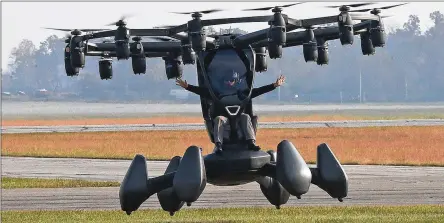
<point x="12" y="182"/>
<point x="404" y="214"/>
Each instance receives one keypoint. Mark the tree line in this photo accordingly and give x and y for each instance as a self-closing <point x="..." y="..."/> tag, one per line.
<point x="408" y="69"/>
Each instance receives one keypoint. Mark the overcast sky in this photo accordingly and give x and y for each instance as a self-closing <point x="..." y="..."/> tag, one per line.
<point x="23" y="20"/>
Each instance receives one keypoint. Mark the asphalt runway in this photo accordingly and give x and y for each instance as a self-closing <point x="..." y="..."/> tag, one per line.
<point x="198" y="126"/>
<point x="15" y="109"/>
<point x="368" y="185"/>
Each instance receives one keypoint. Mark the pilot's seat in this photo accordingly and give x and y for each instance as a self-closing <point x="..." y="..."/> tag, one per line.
<point x="236" y="157"/>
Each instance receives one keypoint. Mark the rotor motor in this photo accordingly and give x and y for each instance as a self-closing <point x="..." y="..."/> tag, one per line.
<point x="276" y="34"/>
<point x="367" y="47"/>
<point x="274" y="50"/>
<point x="77" y="54"/>
<point x="346" y="35"/>
<point x="277" y="31"/>
<point x="322" y="52"/>
<point x="377" y="34"/>
<point x="261" y="59"/>
<point x="188" y="54"/>
<point x="105" y="68"/>
<point x="69" y="69"/>
<point x="309" y="46"/>
<point x="121" y="39"/>
<point x="138" y="57"/>
<point x="196" y="33"/>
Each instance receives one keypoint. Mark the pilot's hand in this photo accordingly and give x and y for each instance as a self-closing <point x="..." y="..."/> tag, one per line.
<point x="182" y="83"/>
<point x="279" y="81"/>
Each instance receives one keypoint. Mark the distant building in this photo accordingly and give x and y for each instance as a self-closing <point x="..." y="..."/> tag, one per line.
<point x="180" y="93"/>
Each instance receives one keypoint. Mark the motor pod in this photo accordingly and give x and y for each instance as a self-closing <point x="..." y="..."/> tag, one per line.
<point x="134" y="188"/>
<point x="190" y="179"/>
<point x="188" y="54"/>
<point x="310" y="46"/>
<point x="345" y="24"/>
<point x="173" y="66"/>
<point x="367" y="47"/>
<point x="377" y="33"/>
<point x="122" y="43"/>
<point x="138" y="57"/>
<point x="277" y="32"/>
<point x="77" y="55"/>
<point x="274" y="50"/>
<point x="291" y="170"/>
<point x="322" y="52"/>
<point x="69" y="69"/>
<point x="272" y="189"/>
<point x="106" y="68"/>
<point x="329" y="174"/>
<point x="197" y="34"/>
<point x="261" y="59"/>
<point x="167" y="198"/>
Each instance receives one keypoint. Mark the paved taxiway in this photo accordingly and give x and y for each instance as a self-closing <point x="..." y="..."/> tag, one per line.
<point x="367" y="185"/>
<point x="197" y="126"/>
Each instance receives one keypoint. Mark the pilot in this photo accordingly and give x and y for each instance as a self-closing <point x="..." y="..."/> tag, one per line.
<point x="221" y="123"/>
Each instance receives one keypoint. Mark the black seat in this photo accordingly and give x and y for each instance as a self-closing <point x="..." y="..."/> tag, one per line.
<point x="210" y="127"/>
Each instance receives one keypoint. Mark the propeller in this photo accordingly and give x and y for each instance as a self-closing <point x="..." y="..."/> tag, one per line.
<point x="375" y="9"/>
<point x="75" y="30"/>
<point x="199" y="12"/>
<point x="272" y="7"/>
<point x="351" y="5"/>
<point x="121" y="21"/>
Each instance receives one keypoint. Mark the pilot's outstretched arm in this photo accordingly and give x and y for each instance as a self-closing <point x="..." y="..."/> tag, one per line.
<point x="267" y="88"/>
<point x="195" y="89"/>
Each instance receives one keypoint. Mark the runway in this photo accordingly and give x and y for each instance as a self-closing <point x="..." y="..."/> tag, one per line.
<point x="37" y="110"/>
<point x="198" y="126"/>
<point x="367" y="185"/>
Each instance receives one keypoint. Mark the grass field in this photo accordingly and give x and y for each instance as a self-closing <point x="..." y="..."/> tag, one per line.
<point x="420" y="213"/>
<point x="198" y="119"/>
<point x="413" y="145"/>
<point x="12" y="183"/>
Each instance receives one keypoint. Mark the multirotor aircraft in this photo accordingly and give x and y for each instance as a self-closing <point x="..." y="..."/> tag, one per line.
<point x="279" y="173"/>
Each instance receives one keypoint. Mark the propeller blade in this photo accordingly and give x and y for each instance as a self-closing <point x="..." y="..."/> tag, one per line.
<point x="271" y="7"/>
<point x="351" y="5"/>
<point x="69" y="30"/>
<point x="203" y="12"/>
<point x="360" y="10"/>
<point x="211" y="11"/>
<point x="392" y="6"/>
<point x="259" y="9"/>
<point x="122" y="19"/>
<point x="385" y="7"/>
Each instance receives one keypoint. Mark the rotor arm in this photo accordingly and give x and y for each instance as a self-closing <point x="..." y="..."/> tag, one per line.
<point x="328" y="33"/>
<point x="365" y="17"/>
<point x="147" y="46"/>
<point x="246" y="39"/>
<point x="113" y="54"/>
<point x="212" y="22"/>
<point x="97" y="35"/>
<point x="149" y="32"/>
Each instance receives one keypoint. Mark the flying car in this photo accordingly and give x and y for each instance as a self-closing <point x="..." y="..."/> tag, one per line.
<point x="279" y="174"/>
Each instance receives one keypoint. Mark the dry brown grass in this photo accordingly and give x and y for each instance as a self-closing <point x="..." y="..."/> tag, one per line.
<point x="372" y="145"/>
<point x="176" y="119"/>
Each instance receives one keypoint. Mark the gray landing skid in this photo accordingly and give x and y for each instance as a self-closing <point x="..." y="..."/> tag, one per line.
<point x="279" y="174"/>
